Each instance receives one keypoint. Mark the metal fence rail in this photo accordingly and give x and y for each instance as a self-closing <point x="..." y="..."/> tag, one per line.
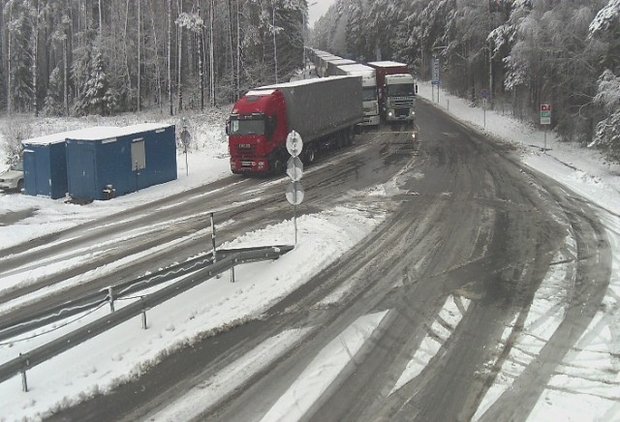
<point x="9" y="329"/>
<point x="42" y="353"/>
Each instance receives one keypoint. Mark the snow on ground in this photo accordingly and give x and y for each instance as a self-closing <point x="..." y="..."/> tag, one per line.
<point x="442" y="328"/>
<point x="321" y="374"/>
<point x="584" y="388"/>
<point x="544" y="317"/>
<point x="126" y="350"/>
<point x="207" y="161"/>
<point x="215" y="388"/>
<point x="587" y="384"/>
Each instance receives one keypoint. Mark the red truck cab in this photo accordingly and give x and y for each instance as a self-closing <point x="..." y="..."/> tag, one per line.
<point x="257" y="130"/>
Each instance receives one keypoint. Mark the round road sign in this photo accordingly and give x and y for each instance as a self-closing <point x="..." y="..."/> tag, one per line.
<point x="295" y="193"/>
<point x="294" y="143"/>
<point x="186" y="138"/>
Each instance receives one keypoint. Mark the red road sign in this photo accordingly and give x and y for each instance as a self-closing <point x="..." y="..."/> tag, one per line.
<point x="545" y="107"/>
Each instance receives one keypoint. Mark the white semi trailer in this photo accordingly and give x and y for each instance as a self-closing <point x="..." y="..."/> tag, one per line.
<point x="370" y="102"/>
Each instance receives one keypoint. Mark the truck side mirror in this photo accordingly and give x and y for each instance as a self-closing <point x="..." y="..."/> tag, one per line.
<point x="416" y="88"/>
<point x="228" y="127"/>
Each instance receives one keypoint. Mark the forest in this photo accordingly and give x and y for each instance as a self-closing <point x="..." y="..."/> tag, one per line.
<point x="521" y="52"/>
<point x="80" y="57"/>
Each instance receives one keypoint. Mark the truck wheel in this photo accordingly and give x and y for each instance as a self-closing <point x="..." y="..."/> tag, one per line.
<point x="277" y="166"/>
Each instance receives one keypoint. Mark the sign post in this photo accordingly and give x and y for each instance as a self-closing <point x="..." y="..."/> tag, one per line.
<point x="485" y="101"/>
<point x="545" y="120"/>
<point x="186" y="139"/>
<point x="295" y="170"/>
<point x="436" y="80"/>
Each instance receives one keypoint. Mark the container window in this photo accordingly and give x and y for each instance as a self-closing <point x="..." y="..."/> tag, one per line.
<point x="138" y="156"/>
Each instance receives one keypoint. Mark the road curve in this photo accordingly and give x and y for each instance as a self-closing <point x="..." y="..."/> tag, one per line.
<point x="472" y="228"/>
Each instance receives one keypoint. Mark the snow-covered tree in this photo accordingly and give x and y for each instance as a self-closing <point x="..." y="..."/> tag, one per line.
<point x="97" y="96"/>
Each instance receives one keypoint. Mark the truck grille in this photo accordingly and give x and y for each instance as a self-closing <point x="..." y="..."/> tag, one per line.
<point x="246" y="151"/>
<point x="398" y="102"/>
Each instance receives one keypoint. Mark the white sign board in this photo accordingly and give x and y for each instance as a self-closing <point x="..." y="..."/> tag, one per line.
<point x="295" y="193"/>
<point x="435" y="70"/>
<point x="294" y="144"/>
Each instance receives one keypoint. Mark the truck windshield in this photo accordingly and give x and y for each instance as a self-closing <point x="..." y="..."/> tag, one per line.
<point x="369" y="93"/>
<point x="247" y="126"/>
<point x="400" y="90"/>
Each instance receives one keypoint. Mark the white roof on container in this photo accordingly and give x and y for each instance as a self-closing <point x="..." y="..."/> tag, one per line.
<point x="388" y="63"/>
<point x="57" y="138"/>
<point x="301" y="82"/>
<point x="94" y="133"/>
<point x="99" y="133"/>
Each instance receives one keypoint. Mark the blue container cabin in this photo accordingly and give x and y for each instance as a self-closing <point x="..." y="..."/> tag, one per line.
<point x="106" y="162"/>
<point x="45" y="165"/>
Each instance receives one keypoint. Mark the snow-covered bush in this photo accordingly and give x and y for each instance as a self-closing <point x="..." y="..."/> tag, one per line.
<point x="14" y="131"/>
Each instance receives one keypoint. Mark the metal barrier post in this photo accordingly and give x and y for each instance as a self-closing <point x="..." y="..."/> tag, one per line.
<point x="232" y="274"/>
<point x="213" y="238"/>
<point x="24" y="379"/>
<point x="144" y="326"/>
<point x="111" y="298"/>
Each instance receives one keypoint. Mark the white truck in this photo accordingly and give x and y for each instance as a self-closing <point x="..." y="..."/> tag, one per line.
<point x="397" y="92"/>
<point x="370" y="102"/>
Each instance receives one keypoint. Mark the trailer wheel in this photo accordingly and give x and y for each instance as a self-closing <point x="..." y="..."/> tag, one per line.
<point x="277" y="166"/>
<point x="310" y="155"/>
<point x="341" y="140"/>
<point x="349" y="137"/>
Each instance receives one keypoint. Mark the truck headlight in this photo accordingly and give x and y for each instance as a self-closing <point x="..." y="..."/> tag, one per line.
<point x="390" y="113"/>
<point x="412" y="112"/>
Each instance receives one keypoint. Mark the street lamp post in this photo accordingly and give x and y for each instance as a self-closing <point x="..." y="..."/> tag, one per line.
<point x="275" y="47"/>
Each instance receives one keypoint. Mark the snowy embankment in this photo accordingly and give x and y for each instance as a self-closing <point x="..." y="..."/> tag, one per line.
<point x="586" y="385"/>
<point x="125" y="351"/>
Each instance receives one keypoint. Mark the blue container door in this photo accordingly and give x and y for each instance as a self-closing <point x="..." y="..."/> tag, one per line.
<point x="30" y="173"/>
<point x="83" y="186"/>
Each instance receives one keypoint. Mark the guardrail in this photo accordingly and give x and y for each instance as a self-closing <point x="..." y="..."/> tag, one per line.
<point x="42" y="353"/>
<point x="9" y="329"/>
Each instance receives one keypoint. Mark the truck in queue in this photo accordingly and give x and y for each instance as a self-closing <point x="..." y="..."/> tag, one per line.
<point x="333" y="64"/>
<point x="323" y="63"/>
<point x="370" y="104"/>
<point x="397" y="91"/>
<point x="323" y="111"/>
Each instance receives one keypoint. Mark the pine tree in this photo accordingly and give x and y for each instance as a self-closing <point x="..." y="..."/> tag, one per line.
<point x="97" y="97"/>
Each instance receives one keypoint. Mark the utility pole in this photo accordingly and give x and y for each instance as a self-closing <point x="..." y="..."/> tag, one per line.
<point x="275" y="47"/>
